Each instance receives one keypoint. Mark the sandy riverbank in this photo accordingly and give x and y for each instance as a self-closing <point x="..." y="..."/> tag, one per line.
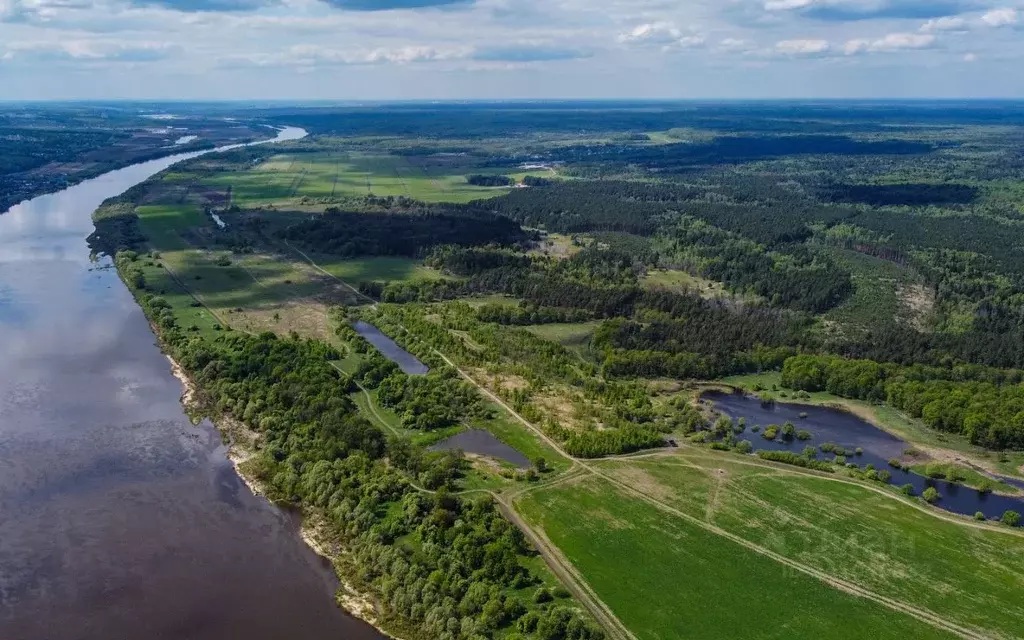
<point x="241" y="442"/>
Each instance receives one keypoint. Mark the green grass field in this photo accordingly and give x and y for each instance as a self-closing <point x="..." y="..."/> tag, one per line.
<point x="973" y="576"/>
<point x="575" y="337"/>
<point x="675" y="280"/>
<point x="163" y="224"/>
<point x="283" y="179"/>
<point x="667" y="578"/>
<point x="379" y="268"/>
<point x="569" y="335"/>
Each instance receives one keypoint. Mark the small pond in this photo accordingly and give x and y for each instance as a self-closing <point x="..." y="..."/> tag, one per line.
<point x="483" y="443"/>
<point x="405" y="360"/>
<point x="851" y="432"/>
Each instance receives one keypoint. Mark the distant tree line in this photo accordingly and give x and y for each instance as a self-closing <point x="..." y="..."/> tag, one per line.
<point x="483" y="180"/>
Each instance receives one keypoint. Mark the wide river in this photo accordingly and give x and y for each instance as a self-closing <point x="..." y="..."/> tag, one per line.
<point x="118" y="518"/>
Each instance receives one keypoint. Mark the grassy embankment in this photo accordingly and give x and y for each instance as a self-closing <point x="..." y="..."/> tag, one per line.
<point x="664" y="575"/>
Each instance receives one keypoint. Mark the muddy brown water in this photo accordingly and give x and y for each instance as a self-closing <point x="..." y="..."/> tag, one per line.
<point x="118" y="518"/>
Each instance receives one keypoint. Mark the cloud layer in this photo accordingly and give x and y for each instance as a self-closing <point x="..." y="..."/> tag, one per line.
<point x="509" y="48"/>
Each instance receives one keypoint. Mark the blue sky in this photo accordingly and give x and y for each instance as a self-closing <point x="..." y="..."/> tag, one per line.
<point x="451" y="49"/>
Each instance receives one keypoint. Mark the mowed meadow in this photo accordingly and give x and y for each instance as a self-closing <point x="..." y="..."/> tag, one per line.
<point x="668" y="565"/>
<point x="296" y="179"/>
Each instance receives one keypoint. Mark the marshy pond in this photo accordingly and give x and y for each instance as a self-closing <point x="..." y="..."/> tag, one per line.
<point x="407" y="362"/>
<point x="851" y="433"/>
<point x="483" y="443"/>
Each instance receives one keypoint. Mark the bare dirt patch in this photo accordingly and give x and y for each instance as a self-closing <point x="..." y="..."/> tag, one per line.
<point x="919" y="301"/>
<point x="216" y="197"/>
<point x="498" y="382"/>
<point x="308" y="318"/>
<point x="560" y="409"/>
<point x="554" y="245"/>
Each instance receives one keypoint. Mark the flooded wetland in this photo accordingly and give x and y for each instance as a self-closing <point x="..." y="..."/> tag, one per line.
<point x="851" y="433"/>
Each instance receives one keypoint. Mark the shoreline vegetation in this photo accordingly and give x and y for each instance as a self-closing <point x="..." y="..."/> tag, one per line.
<point x="917" y="437"/>
<point x="920" y="459"/>
<point x="504" y="575"/>
<point x="312" y="528"/>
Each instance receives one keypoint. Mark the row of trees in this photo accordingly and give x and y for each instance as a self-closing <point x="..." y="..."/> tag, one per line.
<point x="987" y="413"/>
<point x="523" y="314"/>
<point x="483" y="180"/>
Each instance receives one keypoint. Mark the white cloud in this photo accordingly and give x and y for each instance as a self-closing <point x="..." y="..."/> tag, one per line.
<point x="890" y="43"/>
<point x="312" y="54"/>
<point x="787" y="5"/>
<point x="435" y="54"/>
<point x="305" y="55"/>
<point x="691" y="42"/>
<point x="802" y="47"/>
<point x="652" y="33"/>
<point x="665" y="34"/>
<point x="89" y="50"/>
<point x="734" y="44"/>
<point x="970" y="57"/>
<point x="948" y="23"/>
<point x="1000" y="17"/>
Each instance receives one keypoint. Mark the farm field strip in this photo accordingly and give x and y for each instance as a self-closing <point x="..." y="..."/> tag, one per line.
<point x="668" y="578"/>
<point x="841" y="529"/>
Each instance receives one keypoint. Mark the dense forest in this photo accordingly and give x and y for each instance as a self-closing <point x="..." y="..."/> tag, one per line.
<point x="351" y="234"/>
<point x="502" y="119"/>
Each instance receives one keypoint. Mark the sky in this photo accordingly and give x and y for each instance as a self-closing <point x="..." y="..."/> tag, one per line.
<point x="510" y="49"/>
